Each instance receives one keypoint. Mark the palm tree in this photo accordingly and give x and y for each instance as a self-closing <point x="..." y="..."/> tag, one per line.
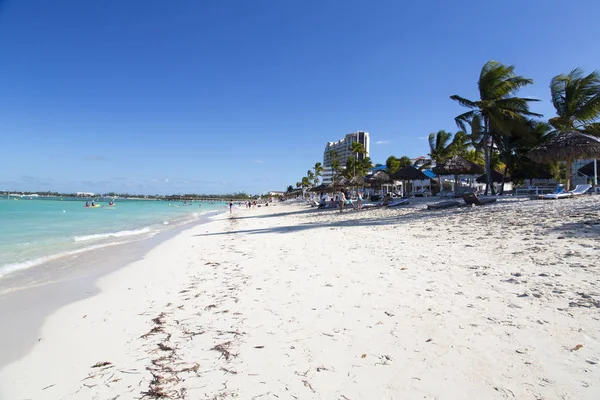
<point x="460" y="145"/>
<point x="356" y="149"/>
<point x="366" y="164"/>
<point x="439" y="146"/>
<point x="497" y="106"/>
<point x="318" y="168"/>
<point x="576" y="99"/>
<point x="305" y="183"/>
<point x="311" y="178"/>
<point x="335" y="165"/>
<point x="474" y="156"/>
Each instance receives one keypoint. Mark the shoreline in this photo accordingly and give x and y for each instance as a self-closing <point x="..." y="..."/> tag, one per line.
<point x="25" y="306"/>
<point x="80" y="232"/>
<point x="486" y="302"/>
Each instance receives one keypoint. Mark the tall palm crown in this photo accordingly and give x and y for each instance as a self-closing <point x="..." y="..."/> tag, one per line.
<point x="576" y="99"/>
<point x="311" y="177"/>
<point x="498" y="106"/>
<point x="439" y="145"/>
<point x="318" y="171"/>
<point x="357" y="148"/>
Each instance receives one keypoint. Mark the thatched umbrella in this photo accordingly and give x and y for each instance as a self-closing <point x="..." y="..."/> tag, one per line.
<point x="322" y="188"/>
<point x="567" y="146"/>
<point x="409" y="173"/>
<point x="342" y="182"/>
<point x="378" y="179"/>
<point x="357" y="181"/>
<point x="497" y="177"/>
<point x="458" y="165"/>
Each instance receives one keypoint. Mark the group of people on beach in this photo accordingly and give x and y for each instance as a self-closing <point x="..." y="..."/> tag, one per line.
<point x="248" y="204"/>
<point x="342" y="200"/>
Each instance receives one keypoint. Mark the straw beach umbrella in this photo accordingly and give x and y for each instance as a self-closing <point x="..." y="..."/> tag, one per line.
<point x="409" y="173"/>
<point x="378" y="179"/>
<point x="567" y="146"/>
<point x="357" y="181"/>
<point x="342" y="183"/>
<point x="322" y="188"/>
<point x="458" y="165"/>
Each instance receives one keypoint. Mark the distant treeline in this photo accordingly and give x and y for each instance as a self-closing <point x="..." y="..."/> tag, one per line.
<point x="171" y="197"/>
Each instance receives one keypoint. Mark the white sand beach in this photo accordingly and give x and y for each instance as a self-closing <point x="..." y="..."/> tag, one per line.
<point x="288" y="302"/>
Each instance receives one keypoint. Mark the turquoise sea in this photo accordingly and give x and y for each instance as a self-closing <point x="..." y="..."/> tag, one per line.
<point x="38" y="230"/>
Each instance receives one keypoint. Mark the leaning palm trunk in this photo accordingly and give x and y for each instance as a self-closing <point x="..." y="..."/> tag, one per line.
<point x="490" y="180"/>
<point x="503" y="179"/>
<point x="486" y="155"/>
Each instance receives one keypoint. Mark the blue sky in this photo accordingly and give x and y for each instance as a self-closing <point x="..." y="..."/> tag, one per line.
<point x="217" y="96"/>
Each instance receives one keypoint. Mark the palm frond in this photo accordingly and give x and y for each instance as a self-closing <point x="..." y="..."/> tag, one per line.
<point x="464" y="119"/>
<point x="431" y="140"/>
<point x="592" y="129"/>
<point x="576" y="99"/>
<point x="464" y="102"/>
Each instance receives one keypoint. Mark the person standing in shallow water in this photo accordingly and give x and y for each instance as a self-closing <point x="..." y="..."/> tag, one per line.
<point x="230" y="206"/>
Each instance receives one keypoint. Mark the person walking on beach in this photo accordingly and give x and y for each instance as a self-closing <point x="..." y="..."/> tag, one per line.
<point x="230" y="206"/>
<point x="359" y="200"/>
<point x="342" y="200"/>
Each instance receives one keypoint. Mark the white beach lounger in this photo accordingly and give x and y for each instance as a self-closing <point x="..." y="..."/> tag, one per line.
<point x="423" y="192"/>
<point x="579" y="190"/>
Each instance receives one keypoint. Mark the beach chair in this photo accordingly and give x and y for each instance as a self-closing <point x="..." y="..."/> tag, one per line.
<point x="423" y="192"/>
<point x="558" y="190"/>
<point x="578" y="191"/>
<point x="472" y="198"/>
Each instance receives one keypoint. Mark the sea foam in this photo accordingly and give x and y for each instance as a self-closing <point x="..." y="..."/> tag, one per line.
<point x="111" y="235"/>
<point x="9" y="268"/>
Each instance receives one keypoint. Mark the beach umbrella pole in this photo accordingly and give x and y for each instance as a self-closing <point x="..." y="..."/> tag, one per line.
<point x="569" y="161"/>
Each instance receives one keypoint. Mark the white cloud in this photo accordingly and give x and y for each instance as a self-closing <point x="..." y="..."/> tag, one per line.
<point x="258" y="161"/>
<point x="422" y="138"/>
<point x="382" y="142"/>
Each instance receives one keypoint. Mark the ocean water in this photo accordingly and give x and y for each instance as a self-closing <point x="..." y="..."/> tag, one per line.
<point x="40" y="230"/>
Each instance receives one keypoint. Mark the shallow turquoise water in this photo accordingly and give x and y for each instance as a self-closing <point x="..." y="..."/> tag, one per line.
<point x="39" y="230"/>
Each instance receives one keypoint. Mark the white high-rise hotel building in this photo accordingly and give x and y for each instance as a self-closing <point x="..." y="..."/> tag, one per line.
<point x="342" y="148"/>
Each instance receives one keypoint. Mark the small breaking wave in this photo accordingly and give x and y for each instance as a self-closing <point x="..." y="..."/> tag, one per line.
<point x="9" y="268"/>
<point x="111" y="235"/>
